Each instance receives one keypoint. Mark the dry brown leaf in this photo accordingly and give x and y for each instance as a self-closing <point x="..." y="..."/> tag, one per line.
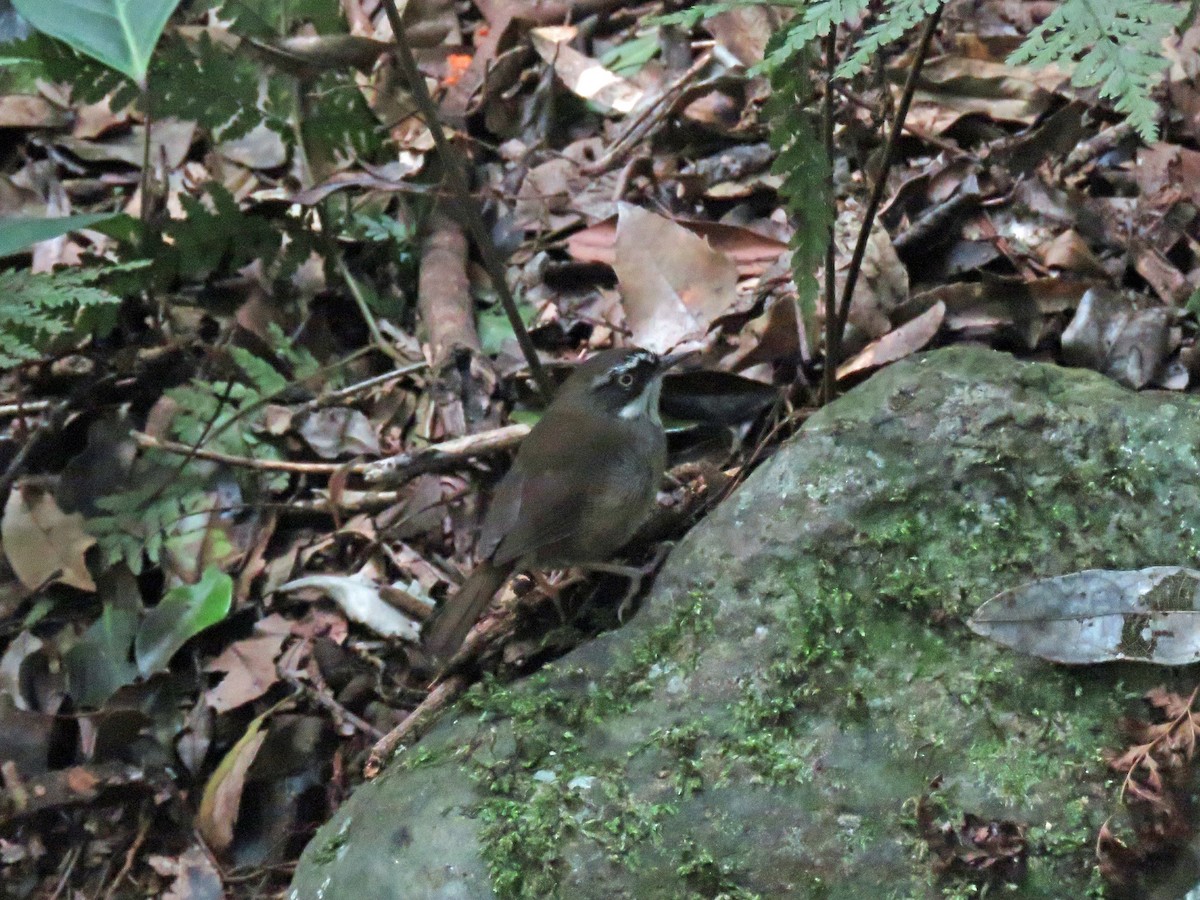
<point x="908" y="338"/>
<point x="43" y="543"/>
<point x="249" y="667"/>
<point x="673" y="283"/>
<point x="754" y="253"/>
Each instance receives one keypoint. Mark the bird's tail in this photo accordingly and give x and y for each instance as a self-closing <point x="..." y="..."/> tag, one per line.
<point x="445" y="632"/>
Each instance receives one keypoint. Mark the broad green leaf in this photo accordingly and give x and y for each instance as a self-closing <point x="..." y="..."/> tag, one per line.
<point x="22" y="231"/>
<point x="98" y="665"/>
<point x="183" y="613"/>
<point x="119" y="33"/>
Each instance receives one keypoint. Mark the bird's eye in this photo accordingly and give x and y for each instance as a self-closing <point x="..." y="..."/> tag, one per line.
<point x="625" y="379"/>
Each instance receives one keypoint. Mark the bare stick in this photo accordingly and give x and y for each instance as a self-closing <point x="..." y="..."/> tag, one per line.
<point x="416" y="722"/>
<point x="833" y="337"/>
<point x="459" y="189"/>
<point x="402" y="464"/>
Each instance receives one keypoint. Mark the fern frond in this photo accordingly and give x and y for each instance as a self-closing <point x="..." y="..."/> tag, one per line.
<point x="805" y="170"/>
<point x="819" y="19"/>
<point x="37" y="309"/>
<point x="1116" y="46"/>
<point x="894" y="21"/>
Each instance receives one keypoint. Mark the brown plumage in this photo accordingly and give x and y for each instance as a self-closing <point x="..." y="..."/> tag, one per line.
<point x="582" y="482"/>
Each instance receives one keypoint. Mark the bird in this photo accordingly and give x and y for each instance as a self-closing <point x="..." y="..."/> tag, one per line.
<point x="582" y="482"/>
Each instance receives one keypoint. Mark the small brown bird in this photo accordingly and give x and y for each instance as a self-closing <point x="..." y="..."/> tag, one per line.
<point x="583" y="480"/>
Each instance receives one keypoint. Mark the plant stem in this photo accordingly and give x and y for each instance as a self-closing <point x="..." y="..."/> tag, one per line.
<point x="459" y="189"/>
<point x="864" y="234"/>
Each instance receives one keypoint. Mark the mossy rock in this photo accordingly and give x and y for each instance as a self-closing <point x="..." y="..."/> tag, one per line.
<point x="801" y="672"/>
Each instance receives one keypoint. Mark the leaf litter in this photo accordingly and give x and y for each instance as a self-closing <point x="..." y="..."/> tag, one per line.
<point x="631" y="181"/>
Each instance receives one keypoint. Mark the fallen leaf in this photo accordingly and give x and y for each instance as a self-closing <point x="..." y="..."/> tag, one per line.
<point x="340" y="431"/>
<point x="907" y="339"/>
<point x="360" y="599"/>
<point x="1098" y="615"/>
<point x="1109" y="335"/>
<point x="583" y="75"/>
<point x="249" y="667"/>
<point x="754" y="253"/>
<point x="42" y="542"/>
<point x="222" y="797"/>
<point x="673" y="283"/>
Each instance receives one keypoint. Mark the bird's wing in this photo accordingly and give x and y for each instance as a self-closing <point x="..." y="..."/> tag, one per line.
<point x="538" y="510"/>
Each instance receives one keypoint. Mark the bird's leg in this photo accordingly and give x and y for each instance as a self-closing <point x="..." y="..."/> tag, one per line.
<point x="635" y="574"/>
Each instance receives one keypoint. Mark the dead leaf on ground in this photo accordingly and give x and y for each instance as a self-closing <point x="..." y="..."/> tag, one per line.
<point x="1097" y="615"/>
<point x="249" y="667"/>
<point x="907" y="339"/>
<point x="195" y="876"/>
<point x="583" y="75"/>
<point x="1109" y="335"/>
<point x="673" y="283"/>
<point x="340" y="431"/>
<point x="361" y="600"/>
<point x="753" y="253"/>
<point x="43" y="543"/>
<point x="222" y="797"/>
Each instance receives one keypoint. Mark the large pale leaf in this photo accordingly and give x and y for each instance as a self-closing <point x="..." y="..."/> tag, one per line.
<point x="182" y="613"/>
<point x="23" y="231"/>
<point x="43" y="544"/>
<point x="1098" y="615"/>
<point x="119" y="33"/>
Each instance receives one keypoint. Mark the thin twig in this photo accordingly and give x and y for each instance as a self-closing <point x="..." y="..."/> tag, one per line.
<point x="417" y="721"/>
<point x="131" y="854"/>
<point x="324" y="698"/>
<point x="407" y="463"/>
<point x="332" y="397"/>
<point x="457" y="179"/>
<point x="27" y="408"/>
<point x="889" y="152"/>
<point x="428" y="458"/>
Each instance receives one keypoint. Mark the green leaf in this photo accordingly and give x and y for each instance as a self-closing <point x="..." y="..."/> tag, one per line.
<point x="22" y="231"/>
<point x="182" y="613"/>
<point x="98" y="665"/>
<point x="119" y="33"/>
<point x="494" y="328"/>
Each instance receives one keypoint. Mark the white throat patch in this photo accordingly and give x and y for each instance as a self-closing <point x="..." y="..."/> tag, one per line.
<point x="644" y="404"/>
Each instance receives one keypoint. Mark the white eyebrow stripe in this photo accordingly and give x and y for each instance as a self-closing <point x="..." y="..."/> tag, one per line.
<point x="632" y="363"/>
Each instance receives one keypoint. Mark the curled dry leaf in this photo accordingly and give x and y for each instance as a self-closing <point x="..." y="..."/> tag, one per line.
<point x="673" y="283"/>
<point x="360" y="599"/>
<point x="42" y="542"/>
<point x="1098" y="615"/>
<point x="223" y="793"/>
<point x="1107" y="334"/>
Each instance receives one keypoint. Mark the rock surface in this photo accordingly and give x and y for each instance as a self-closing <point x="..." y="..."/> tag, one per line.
<point x="800" y="673"/>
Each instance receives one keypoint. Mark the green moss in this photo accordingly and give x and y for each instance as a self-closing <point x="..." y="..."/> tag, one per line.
<point x="531" y="807"/>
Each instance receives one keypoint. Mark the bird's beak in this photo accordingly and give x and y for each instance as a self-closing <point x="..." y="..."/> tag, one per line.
<point x="670" y="360"/>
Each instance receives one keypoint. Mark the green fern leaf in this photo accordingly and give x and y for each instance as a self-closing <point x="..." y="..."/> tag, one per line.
<point x="1116" y="47"/>
<point x="40" y="309"/>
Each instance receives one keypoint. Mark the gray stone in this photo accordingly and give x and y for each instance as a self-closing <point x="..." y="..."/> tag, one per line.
<point x="801" y="672"/>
